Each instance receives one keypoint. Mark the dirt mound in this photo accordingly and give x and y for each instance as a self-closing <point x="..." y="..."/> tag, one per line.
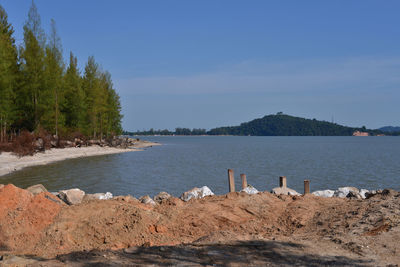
<point x="356" y="228"/>
<point x="23" y="217"/>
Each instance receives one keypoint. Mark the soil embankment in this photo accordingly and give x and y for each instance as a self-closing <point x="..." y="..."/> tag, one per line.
<point x="233" y="229"/>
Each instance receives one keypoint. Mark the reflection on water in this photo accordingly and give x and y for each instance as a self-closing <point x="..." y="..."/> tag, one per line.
<point x="184" y="162"/>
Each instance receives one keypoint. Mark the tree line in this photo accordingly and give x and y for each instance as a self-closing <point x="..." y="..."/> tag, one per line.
<point x="273" y="125"/>
<point x="178" y="131"/>
<point x="39" y="91"/>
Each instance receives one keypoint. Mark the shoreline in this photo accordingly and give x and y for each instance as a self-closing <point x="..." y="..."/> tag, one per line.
<point x="10" y="163"/>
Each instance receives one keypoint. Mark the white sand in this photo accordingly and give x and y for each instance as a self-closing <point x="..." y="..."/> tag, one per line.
<point x="10" y="163"/>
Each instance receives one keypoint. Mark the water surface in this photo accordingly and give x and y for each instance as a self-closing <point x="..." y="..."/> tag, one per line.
<point x="184" y="162"/>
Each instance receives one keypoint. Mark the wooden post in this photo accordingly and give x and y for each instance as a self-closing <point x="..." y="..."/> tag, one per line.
<point x="231" y="180"/>
<point x="244" y="180"/>
<point x="306" y="187"/>
<point x="282" y="181"/>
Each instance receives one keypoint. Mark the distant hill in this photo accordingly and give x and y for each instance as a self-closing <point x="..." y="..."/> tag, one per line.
<point x="389" y="129"/>
<point x="286" y="125"/>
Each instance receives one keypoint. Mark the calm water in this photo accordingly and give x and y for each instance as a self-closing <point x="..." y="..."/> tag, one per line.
<point x="184" y="162"/>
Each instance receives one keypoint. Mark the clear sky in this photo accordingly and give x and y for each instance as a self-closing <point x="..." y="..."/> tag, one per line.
<point x="214" y="63"/>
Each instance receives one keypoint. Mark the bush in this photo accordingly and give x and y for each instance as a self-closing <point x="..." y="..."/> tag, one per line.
<point x="24" y="144"/>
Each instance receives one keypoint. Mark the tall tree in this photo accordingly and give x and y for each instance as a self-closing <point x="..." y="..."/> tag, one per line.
<point x="91" y="88"/>
<point x="8" y="74"/>
<point x="32" y="53"/>
<point x="53" y="78"/>
<point x="73" y="106"/>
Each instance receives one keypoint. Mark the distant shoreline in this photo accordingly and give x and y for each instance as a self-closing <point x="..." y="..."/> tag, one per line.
<point x="10" y="163"/>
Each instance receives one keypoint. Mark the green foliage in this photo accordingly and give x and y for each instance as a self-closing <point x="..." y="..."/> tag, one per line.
<point x="8" y="74"/>
<point x="37" y="92"/>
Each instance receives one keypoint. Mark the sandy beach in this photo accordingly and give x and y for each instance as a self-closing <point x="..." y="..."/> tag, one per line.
<point x="10" y="162"/>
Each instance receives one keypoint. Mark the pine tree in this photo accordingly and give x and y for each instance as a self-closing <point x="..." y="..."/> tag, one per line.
<point x="31" y="98"/>
<point x="53" y="78"/>
<point x="91" y="88"/>
<point x="8" y="75"/>
<point x="73" y="105"/>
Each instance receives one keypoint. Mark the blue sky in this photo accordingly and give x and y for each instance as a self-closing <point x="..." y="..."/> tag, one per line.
<point x="213" y="63"/>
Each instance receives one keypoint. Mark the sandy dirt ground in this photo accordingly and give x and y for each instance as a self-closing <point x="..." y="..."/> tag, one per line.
<point x="10" y="162"/>
<point x="230" y="230"/>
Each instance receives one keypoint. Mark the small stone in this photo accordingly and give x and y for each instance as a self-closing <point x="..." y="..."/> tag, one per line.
<point x="352" y="194"/>
<point x="250" y="190"/>
<point x="342" y="192"/>
<point x="363" y="193"/>
<point x="197" y="193"/>
<point x="324" y="193"/>
<point x="36" y="189"/>
<point x="161" y="196"/>
<point x="284" y="191"/>
<point x="147" y="200"/>
<point x="101" y="196"/>
<point x="72" y="196"/>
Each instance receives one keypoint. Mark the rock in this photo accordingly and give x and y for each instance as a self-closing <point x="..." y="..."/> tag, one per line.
<point x="284" y="191"/>
<point x="72" y="196"/>
<point x="147" y="200"/>
<point x="324" y="193"/>
<point x="388" y="192"/>
<point x="196" y="193"/>
<point x="363" y="193"/>
<point x="102" y="196"/>
<point x="1" y="186"/>
<point x="36" y="189"/>
<point x="161" y="196"/>
<point x="53" y="143"/>
<point x="342" y="192"/>
<point x="250" y="190"/>
<point x="353" y="194"/>
<point x="39" y="143"/>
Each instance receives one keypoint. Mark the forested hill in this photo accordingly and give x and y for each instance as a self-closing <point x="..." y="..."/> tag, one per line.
<point x="285" y="125"/>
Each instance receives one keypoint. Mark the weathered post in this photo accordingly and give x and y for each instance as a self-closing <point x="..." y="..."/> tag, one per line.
<point x="306" y="187"/>
<point x="282" y="181"/>
<point x="231" y="180"/>
<point x="244" y="180"/>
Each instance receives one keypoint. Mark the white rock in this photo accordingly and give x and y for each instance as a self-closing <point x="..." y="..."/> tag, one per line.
<point x="250" y="190"/>
<point x="197" y="193"/>
<point x="344" y="191"/>
<point x="363" y="192"/>
<point x="284" y="191"/>
<point x="324" y="193"/>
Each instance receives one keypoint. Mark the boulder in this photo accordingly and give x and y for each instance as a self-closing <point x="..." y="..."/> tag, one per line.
<point x="72" y="196"/>
<point x="324" y="193"/>
<point x="101" y="196"/>
<point x="161" y="196"/>
<point x="250" y="190"/>
<point x="147" y="200"/>
<point x="36" y="189"/>
<point x="342" y="192"/>
<point x="284" y="191"/>
<point x="196" y="193"/>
